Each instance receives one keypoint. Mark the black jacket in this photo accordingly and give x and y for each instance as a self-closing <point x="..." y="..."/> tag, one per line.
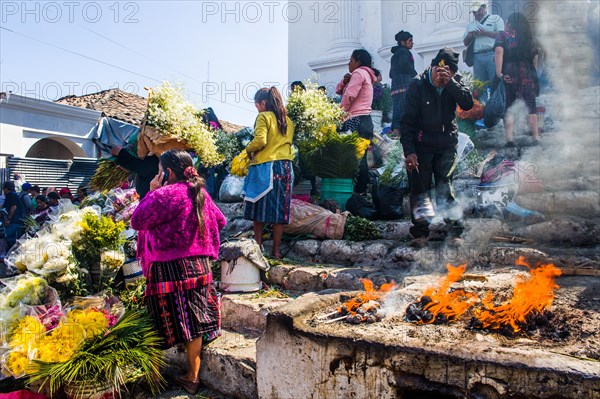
<point x="145" y="170"/>
<point x="427" y="124"/>
<point x="402" y="64"/>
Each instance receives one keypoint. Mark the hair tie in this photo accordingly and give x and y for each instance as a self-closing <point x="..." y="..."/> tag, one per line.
<point x="190" y="172"/>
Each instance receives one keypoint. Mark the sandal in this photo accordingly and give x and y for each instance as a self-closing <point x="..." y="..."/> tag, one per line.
<point x="187" y="385"/>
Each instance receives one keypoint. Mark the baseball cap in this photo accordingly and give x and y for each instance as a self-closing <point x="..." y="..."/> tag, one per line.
<point x="26" y="186"/>
<point x="476" y="5"/>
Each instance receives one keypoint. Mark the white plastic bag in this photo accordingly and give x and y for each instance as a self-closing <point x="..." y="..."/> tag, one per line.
<point x="464" y="147"/>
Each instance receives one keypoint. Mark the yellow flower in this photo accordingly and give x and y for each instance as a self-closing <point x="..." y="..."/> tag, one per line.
<point x="26" y="333"/>
<point x="361" y="147"/>
<point x="61" y="344"/>
<point x="240" y="164"/>
<point x="92" y="321"/>
<point x="17" y="363"/>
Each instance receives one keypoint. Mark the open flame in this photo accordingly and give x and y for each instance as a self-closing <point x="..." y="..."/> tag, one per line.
<point x="370" y="294"/>
<point x="531" y="295"/>
<point x="445" y="304"/>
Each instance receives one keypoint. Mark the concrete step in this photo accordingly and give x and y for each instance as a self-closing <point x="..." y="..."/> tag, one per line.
<point x="578" y="203"/>
<point x="247" y="313"/>
<point x="228" y="365"/>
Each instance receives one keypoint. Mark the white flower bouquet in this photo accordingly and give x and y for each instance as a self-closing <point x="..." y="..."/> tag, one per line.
<point x="179" y="123"/>
<point x="311" y="111"/>
<point x="26" y="289"/>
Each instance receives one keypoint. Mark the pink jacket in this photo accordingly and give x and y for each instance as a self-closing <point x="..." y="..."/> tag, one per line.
<point x="168" y="225"/>
<point x="358" y="93"/>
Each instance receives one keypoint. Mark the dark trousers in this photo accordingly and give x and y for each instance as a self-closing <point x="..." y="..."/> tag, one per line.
<point x="363" y="125"/>
<point x="438" y="166"/>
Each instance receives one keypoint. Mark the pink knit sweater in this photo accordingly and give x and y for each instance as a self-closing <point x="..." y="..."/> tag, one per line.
<point x="168" y="225"/>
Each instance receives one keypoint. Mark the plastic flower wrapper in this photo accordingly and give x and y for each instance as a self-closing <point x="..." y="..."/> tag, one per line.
<point x="393" y="173"/>
<point x="111" y="260"/>
<point x="126" y="214"/>
<point x="49" y="314"/>
<point x="111" y="306"/>
<point x="24" y="289"/>
<point x="14" y="364"/>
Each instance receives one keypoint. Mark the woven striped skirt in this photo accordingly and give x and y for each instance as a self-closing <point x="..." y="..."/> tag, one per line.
<point x="182" y="301"/>
<point x="275" y="206"/>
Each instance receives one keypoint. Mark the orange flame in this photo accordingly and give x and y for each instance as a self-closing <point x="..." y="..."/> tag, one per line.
<point x="451" y="304"/>
<point x="531" y="294"/>
<point x="370" y="294"/>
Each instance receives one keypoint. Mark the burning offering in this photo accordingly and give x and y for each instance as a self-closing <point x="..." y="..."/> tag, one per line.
<point x="528" y="308"/>
<point x="364" y="307"/>
<point x="442" y="304"/>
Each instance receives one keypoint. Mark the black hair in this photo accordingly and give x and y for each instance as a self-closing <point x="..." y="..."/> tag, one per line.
<point x="402" y="36"/>
<point x="376" y="71"/>
<point x="178" y="161"/>
<point x="41" y="198"/>
<point x="274" y="103"/>
<point x="526" y="48"/>
<point x="53" y="195"/>
<point x="297" y="84"/>
<point x="36" y="188"/>
<point x="10" y="185"/>
<point x="363" y="57"/>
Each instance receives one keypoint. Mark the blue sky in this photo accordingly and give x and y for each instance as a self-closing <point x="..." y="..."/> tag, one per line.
<point x="245" y="44"/>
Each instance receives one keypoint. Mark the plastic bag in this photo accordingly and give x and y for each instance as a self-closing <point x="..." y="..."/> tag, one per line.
<point x="358" y="205"/>
<point x="464" y="147"/>
<point x="231" y="189"/>
<point x="388" y="201"/>
<point x="495" y="107"/>
<point x="312" y="219"/>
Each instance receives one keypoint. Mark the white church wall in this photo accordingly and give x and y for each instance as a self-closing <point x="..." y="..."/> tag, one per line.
<point x="24" y="121"/>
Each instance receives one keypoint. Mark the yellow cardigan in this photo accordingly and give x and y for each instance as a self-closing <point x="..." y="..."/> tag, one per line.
<point x="268" y="144"/>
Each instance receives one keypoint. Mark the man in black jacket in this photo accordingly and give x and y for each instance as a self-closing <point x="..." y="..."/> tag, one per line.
<point x="145" y="169"/>
<point x="429" y="139"/>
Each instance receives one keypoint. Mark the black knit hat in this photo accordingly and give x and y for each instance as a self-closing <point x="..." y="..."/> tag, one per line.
<point x="449" y="56"/>
<point x="402" y="36"/>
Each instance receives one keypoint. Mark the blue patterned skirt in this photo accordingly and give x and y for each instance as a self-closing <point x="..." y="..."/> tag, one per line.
<point x="274" y="207"/>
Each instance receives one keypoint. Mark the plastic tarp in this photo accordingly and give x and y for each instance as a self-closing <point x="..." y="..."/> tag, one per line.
<point x="111" y="132"/>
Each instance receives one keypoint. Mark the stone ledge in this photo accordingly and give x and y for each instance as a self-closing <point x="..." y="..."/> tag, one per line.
<point x="244" y="313"/>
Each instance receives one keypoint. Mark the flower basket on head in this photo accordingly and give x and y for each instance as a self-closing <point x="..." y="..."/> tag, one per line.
<point x="172" y="122"/>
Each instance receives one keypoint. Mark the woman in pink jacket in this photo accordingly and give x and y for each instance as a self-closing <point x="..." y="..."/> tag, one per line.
<point x="180" y="224"/>
<point x="356" y="90"/>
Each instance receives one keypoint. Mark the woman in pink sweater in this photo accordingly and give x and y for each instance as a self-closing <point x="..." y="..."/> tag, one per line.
<point x="180" y="227"/>
<point x="356" y="90"/>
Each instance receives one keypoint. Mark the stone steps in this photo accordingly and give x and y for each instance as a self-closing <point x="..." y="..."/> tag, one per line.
<point x="228" y="365"/>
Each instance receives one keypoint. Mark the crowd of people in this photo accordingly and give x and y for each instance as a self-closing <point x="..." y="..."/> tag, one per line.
<point x="178" y="223"/>
<point x="30" y="200"/>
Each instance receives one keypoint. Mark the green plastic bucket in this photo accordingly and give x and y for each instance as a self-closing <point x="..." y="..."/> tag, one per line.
<point x="339" y="190"/>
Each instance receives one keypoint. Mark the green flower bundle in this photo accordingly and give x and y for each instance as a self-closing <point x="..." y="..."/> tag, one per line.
<point x="174" y="116"/>
<point x="311" y="110"/>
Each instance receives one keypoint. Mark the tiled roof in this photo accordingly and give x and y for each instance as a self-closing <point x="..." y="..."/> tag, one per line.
<point x="122" y="105"/>
<point x="114" y="103"/>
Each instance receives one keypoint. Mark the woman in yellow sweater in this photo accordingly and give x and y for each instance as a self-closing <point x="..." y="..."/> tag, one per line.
<point x="268" y="186"/>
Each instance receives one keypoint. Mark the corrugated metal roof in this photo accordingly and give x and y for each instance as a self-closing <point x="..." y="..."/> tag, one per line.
<point x="54" y="172"/>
